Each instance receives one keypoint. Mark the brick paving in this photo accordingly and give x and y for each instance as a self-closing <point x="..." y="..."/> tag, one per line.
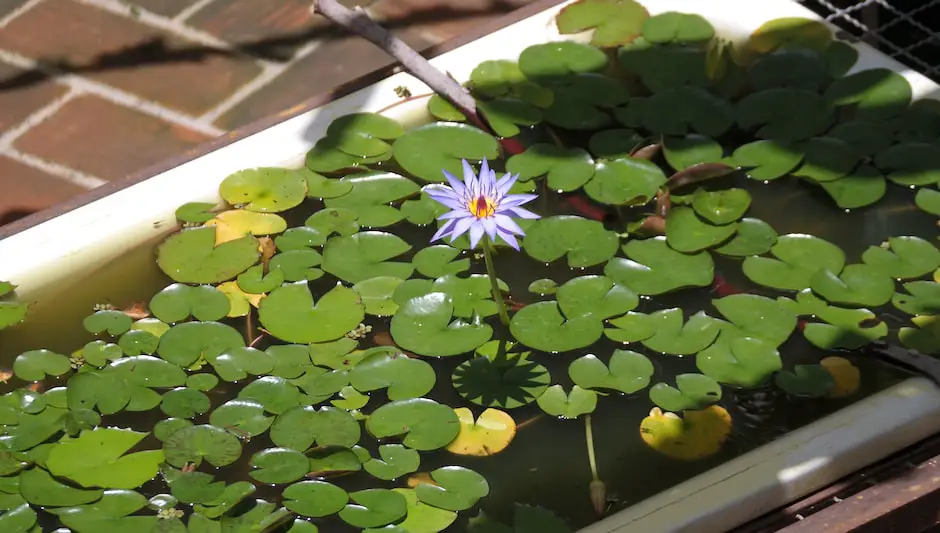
<point x="95" y="90"/>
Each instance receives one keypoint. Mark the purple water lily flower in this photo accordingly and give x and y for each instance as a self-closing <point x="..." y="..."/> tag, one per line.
<point x="481" y="205"/>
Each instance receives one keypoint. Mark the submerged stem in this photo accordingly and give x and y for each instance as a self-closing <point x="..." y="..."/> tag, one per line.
<point x="589" y="437"/>
<point x="598" y="490"/>
<point x="494" y="284"/>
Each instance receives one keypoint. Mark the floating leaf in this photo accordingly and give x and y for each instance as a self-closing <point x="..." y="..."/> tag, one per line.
<point x="903" y="257"/>
<point x="673" y="27"/>
<point x="767" y="159"/>
<point x="684" y="152"/>
<point x="505" y="380"/>
<point x="40" y="488"/>
<point x="300" y="427"/>
<point x="625" y="181"/>
<point x="277" y="395"/>
<point x="351" y="399"/>
<point x="543" y="286"/>
<point x="614" y="144"/>
<point x="96" y="459"/>
<point x="191" y="256"/>
<point x="827" y="159"/>
<point x="845" y="376"/>
<point x="695" y="391"/>
<point x="203" y="442"/>
<point x="184" y="403"/>
<point x="721" y="207"/>
<point x="279" y="465"/>
<point x="742" y="361"/>
<point x="428" y="150"/>
<point x="235" y="364"/>
<point x="376" y="295"/>
<point x="355" y="258"/>
<point x="10" y="312"/>
<point x="679" y="110"/>
<point x="928" y="200"/>
<point x="315" y="498"/>
<point x="686" y="232"/>
<point x="695" y="435"/>
<point x="585" y="242"/>
<point x="798" y="257"/>
<point x="923" y="298"/>
<point x="754" y="237"/>
<point x="857" y="285"/>
<point x="808" y="381"/>
<point x="402" y="376"/>
<point x="322" y="187"/>
<point x="799" y="68"/>
<point x="911" y="163"/>
<point x="266" y="190"/>
<point x="362" y="134"/>
<point x="595" y="296"/>
<point x="195" y="212"/>
<point x="614" y="23"/>
<point x="784" y="114"/>
<point x="505" y="115"/>
<point x="425" y="424"/>
<point x="673" y="337"/>
<point x="655" y="268"/>
<point x="876" y="93"/>
<point x="290" y="313"/>
<point x="396" y="461"/>
<point x="844" y="328"/>
<point x="238" y="223"/>
<point x="177" y="302"/>
<point x="374" y="508"/>
<point x="628" y="372"/>
<point x="421" y="518"/>
<point x="925" y="338"/>
<point x="245" y="416"/>
<point x="864" y="186"/>
<point x="456" y="488"/>
<point x="490" y="434"/>
<point x="543" y="327"/>
<point x="111" y="321"/>
<point x="567" y="168"/>
<point x="439" y="260"/>
<point x="441" y="109"/>
<point x="231" y="496"/>
<point x="556" y="402"/>
<point x="370" y="196"/>
<point x="547" y="62"/>
<point x="631" y="327"/>
<point x="423" y="325"/>
<point x="35" y="365"/>
<point x="184" y="344"/>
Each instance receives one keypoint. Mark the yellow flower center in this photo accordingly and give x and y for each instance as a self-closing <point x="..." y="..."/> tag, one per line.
<point x="481" y="207"/>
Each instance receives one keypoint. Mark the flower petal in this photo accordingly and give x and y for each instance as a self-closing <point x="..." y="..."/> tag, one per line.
<point x="507" y="224"/>
<point x="461" y="226"/>
<point x="522" y="213"/>
<point x="508" y="239"/>
<point x="514" y="200"/>
<point x="444" y="230"/>
<point x="459" y="188"/>
<point x="456" y="213"/>
<point x="449" y="202"/>
<point x="468" y="176"/>
<point x="505" y="183"/>
<point x="476" y="232"/>
<point x="489" y="225"/>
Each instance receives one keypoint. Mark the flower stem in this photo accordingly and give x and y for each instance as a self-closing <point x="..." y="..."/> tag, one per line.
<point x="597" y="488"/>
<point x="494" y="284"/>
<point x="589" y="437"/>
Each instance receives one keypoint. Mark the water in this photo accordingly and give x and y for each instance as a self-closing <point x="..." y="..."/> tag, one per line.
<point x="547" y="463"/>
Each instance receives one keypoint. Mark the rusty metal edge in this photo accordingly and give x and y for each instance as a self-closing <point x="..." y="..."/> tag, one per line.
<point x="254" y="127"/>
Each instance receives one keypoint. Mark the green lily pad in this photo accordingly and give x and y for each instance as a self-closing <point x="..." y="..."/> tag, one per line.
<point x="543" y="286"/>
<point x="903" y="257"/>
<point x="582" y="101"/>
<point x="184" y="403"/>
<point x="865" y="138"/>
<point x="300" y="238"/>
<point x="925" y="338"/>
<point x="376" y="295"/>
<point x="758" y="317"/>
<point x="674" y="337"/>
<point x="186" y="343"/>
<point x="654" y="268"/>
<point x="40" y="488"/>
<point x="196" y="212"/>
<point x="203" y="442"/>
<point x="686" y="232"/>
<point x="808" y="381"/>
<point x="911" y="163"/>
<point x="584" y="242"/>
<point x="266" y="190"/>
<point x="191" y="256"/>
<point x="290" y="313"/>
<point x="362" y="134"/>
<point x="322" y="187"/>
<point x="864" y="186"/>
<point x="798" y="68"/>
<point x="595" y="296"/>
<point x="277" y="395"/>
<point x="695" y="391"/>
<point x="374" y="508"/>
<point x="673" y="27"/>
<point x="396" y="461"/>
<point x="350" y="399"/>
<point x="631" y="327"/>
<point x="111" y="321"/>
<point x="625" y="181"/>
<point x="279" y="465"/>
<point x="421" y="517"/>
<point x="320" y="383"/>
<point x="299" y="427"/>
<point x="202" y="382"/>
<point x="325" y="156"/>
<point x="567" y="168"/>
<point x="742" y="362"/>
<point x="923" y="298"/>
<point x="798" y="257"/>
<point x="784" y="114"/>
<point x="439" y="260"/>
<point x="552" y="61"/>
<point x="177" y="302"/>
<point x="193" y="487"/>
<point x="721" y="207"/>
<point x="456" y="489"/>
<point x="875" y="94"/>
<point x="335" y="459"/>
<point x="423" y="325"/>
<point x="134" y="342"/>
<point x="754" y="237"/>
<point x="402" y="376"/>
<point x="231" y="496"/>
<point x="244" y="416"/>
<point x="365" y="255"/>
<point x="614" y="144"/>
<point x="35" y="365"/>
<point x="505" y="115"/>
<point x="928" y="200"/>
<point x="684" y="152"/>
<point x="614" y="23"/>
<point x="494" y="78"/>
<point x="679" y="110"/>
<point x="425" y="424"/>
<point x="18" y="519"/>
<point x="422" y="211"/>
<point x="235" y="364"/>
<point x="768" y="159"/>
<point x="441" y="109"/>
<point x="297" y="265"/>
<point x="428" y="150"/>
<point x="315" y="498"/>
<point x="556" y="402"/>
<point x="370" y="195"/>
<point x="96" y="459"/>
<point x="826" y="159"/>
<point x="505" y="380"/>
<point x="848" y="329"/>
<point x="543" y="327"/>
<point x="628" y="372"/>
<point x="786" y="32"/>
<point x="329" y="221"/>
<point x="856" y="285"/>
<point x="110" y="513"/>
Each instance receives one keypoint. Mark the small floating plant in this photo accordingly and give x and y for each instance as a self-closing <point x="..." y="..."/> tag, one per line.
<point x="387" y="340"/>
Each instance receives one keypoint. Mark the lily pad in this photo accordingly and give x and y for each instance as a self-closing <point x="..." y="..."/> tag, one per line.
<point x="290" y="313"/>
<point x="428" y="150"/>
<point x="686" y="232"/>
<point x="695" y="435"/>
<point x="679" y="110"/>
<point x="846" y="377"/>
<point x="799" y="68"/>
<point x="631" y="327"/>
<point x="855" y="285"/>
<point x="556" y="402"/>
<point x="267" y="190"/>
<point x="362" y="134"/>
<point x="35" y="365"/>
<point x="556" y="60"/>
<point x="396" y="461"/>
<point x="235" y="224"/>
<point x="246" y="417"/>
<point x="786" y="32"/>
<point x="625" y="181"/>
<point x="875" y="94"/>
<point x="585" y="242"/>
<point x="754" y="237"/>
<point x="421" y="518"/>
<point x="694" y="392"/>
<point x="18" y="519"/>
<point x="595" y="296"/>
<point x="300" y="427"/>
<point x="423" y="325"/>
<point x="543" y="327"/>
<point x="903" y="257"/>
<point x="742" y="362"/>
<point x="439" y="260"/>
<point x="826" y="159"/>
<point x="628" y="372"/>
<point x="322" y="187"/>
<point x="236" y="364"/>
<point x="370" y="195"/>
<point x="692" y="149"/>
<point x="315" y="498"/>
<point x="505" y="115"/>
<point x="191" y="256"/>
<point x="178" y="302"/>
<point x="184" y="344"/>
<point x="376" y="295"/>
<point x="489" y="434"/>
<point x="374" y="508"/>
<point x="615" y="143"/>
<point x="674" y="337"/>
<point x="40" y="488"/>
<point x="924" y="338"/>
<point x="798" y="257"/>
<point x="279" y="465"/>
<point x="928" y="200"/>
<point x="808" y="381"/>
<point x="365" y="255"/>
<point x="276" y="394"/>
<point x="911" y="163"/>
<point x="425" y="424"/>
<point x="654" y="268"/>
<point x="784" y="114"/>
<point x="923" y="298"/>
<point x="422" y="211"/>
<point x="297" y="265"/>
<point x="111" y="321"/>
<point x="767" y="159"/>
<point x="614" y="23"/>
<point x="864" y="186"/>
<point x="758" y="317"/>
<point x="505" y="380"/>
<point x="567" y="169"/>
<point x="721" y="207"/>
<point x="203" y="442"/>
<point x="402" y="376"/>
<point x="673" y="27"/>
<point x="456" y="488"/>
<point x="848" y="329"/>
<point x="96" y="459"/>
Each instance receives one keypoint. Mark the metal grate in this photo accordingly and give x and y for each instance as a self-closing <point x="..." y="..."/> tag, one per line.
<point x="907" y="30"/>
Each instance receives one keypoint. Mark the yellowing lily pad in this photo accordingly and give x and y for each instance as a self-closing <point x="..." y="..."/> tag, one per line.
<point x="695" y="435"/>
<point x="845" y="376"/>
<point x="237" y="223"/>
<point x="489" y="434"/>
